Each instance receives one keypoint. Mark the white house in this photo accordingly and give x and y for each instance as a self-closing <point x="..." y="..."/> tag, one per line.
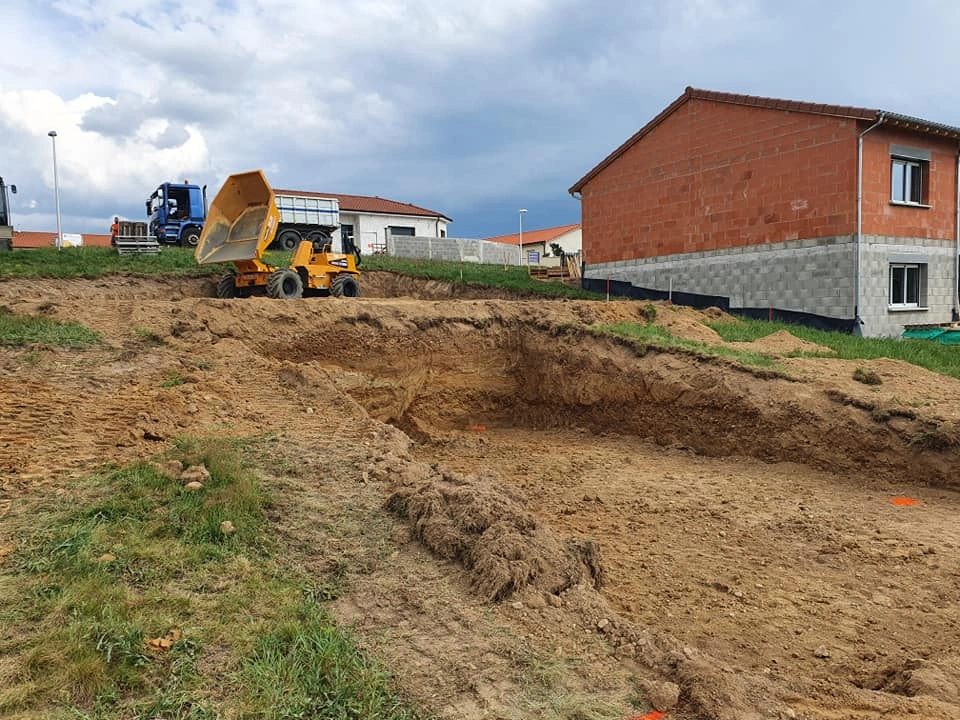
<point x="568" y="237"/>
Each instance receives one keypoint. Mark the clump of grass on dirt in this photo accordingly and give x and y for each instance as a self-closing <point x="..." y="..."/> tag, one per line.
<point x="867" y="377"/>
<point x="924" y="353"/>
<point x="659" y="336"/>
<point x="19" y="330"/>
<point x="100" y="580"/>
<point x="94" y="262"/>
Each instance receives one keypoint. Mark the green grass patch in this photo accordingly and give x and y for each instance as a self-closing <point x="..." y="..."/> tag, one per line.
<point x="307" y="666"/>
<point x="661" y="337"/>
<point x="508" y="277"/>
<point x="19" y="330"/>
<point x="91" y="262"/>
<point x="943" y="359"/>
<point x="132" y="556"/>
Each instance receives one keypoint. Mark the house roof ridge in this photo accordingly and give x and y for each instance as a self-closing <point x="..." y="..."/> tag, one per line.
<point x="842" y="111"/>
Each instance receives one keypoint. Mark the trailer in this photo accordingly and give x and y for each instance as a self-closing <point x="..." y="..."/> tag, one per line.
<point x="305" y="217"/>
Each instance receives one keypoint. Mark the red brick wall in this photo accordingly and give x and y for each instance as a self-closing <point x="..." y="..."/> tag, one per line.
<point x="716" y="175"/>
<point x="880" y="217"/>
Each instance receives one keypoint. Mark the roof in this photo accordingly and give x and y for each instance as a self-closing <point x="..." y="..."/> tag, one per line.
<point x="535" y="237"/>
<point x="31" y="239"/>
<point x="841" y="111"/>
<point x="367" y="204"/>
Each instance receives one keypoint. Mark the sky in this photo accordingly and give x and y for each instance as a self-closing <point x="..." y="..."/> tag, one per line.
<point x="474" y="109"/>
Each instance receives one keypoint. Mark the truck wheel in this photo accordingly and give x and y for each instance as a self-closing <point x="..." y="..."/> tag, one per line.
<point x="284" y="284"/>
<point x="190" y="237"/>
<point x="345" y="286"/>
<point x="289" y="239"/>
<point x="227" y="286"/>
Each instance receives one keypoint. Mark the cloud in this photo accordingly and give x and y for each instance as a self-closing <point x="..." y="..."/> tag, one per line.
<point x="443" y="103"/>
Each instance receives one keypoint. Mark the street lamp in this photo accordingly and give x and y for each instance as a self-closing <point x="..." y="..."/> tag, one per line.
<point x="56" y="187"/>
<point x="522" y="211"/>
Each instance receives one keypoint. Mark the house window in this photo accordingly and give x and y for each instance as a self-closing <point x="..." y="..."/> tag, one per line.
<point x="401" y="230"/>
<point x="909" y="175"/>
<point x="908" y="285"/>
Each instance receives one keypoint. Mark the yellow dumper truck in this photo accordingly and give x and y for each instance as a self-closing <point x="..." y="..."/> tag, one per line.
<point x="242" y="223"/>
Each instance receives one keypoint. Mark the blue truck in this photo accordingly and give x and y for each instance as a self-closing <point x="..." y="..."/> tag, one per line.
<point x="176" y="212"/>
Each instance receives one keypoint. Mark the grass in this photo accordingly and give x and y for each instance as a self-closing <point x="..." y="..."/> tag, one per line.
<point x="661" y="337"/>
<point x="20" y="330"/>
<point x="93" y="262"/>
<point x="942" y="359"/>
<point x="132" y="556"/>
<point x="508" y="277"/>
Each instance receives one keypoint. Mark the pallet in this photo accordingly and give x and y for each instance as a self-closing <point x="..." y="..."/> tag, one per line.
<point x="137" y="245"/>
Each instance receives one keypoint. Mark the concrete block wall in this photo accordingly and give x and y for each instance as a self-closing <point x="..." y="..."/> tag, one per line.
<point x="812" y="276"/>
<point x="877" y="253"/>
<point x="452" y="249"/>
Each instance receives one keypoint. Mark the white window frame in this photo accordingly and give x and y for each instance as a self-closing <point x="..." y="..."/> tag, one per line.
<point x="902" y="189"/>
<point x="904" y="302"/>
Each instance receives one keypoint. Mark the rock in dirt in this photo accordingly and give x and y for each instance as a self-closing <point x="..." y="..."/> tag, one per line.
<point x="821" y="652"/>
<point x="195" y="473"/>
<point x="663" y="696"/>
<point x="227" y="528"/>
<point x="194" y="486"/>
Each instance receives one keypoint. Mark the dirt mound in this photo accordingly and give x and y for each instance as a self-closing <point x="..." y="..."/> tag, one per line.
<point x="507" y="549"/>
<point x="783" y="342"/>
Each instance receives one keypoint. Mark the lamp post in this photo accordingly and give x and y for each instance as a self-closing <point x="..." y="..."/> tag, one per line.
<point x="56" y="187"/>
<point x="522" y="211"/>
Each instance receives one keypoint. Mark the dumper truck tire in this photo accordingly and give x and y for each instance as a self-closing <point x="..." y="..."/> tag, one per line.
<point x="288" y="240"/>
<point x="227" y="286"/>
<point x="190" y="237"/>
<point x="345" y="286"/>
<point x="284" y="284"/>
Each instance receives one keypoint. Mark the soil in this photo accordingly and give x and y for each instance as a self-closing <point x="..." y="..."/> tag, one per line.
<point x="539" y="520"/>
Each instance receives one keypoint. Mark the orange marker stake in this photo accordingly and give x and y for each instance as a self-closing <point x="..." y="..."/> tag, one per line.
<point x="478" y="428"/>
<point x="654" y="715"/>
<point x="905" y="501"/>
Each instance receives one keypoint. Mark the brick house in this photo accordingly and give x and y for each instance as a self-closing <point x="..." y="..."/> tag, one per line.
<point x="842" y="215"/>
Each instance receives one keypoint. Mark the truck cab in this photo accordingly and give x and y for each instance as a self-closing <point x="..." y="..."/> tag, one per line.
<point x="6" y="223"/>
<point x="176" y="213"/>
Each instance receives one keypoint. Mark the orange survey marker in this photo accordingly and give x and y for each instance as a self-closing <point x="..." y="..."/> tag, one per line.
<point x="905" y="501"/>
<point x="654" y="715"/>
<point x="478" y="428"/>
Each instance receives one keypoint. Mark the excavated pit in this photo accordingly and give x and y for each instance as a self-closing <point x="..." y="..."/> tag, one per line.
<point x="443" y="377"/>
<point x="745" y="514"/>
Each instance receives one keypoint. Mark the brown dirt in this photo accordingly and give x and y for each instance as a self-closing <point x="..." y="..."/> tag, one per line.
<point x="541" y="522"/>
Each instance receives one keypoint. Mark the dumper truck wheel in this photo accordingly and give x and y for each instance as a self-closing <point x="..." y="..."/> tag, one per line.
<point x="345" y="286"/>
<point x="289" y="239"/>
<point x="190" y="236"/>
<point x="227" y="286"/>
<point x="284" y="284"/>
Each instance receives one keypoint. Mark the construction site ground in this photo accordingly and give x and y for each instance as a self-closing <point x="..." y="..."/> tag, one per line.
<point x="540" y="520"/>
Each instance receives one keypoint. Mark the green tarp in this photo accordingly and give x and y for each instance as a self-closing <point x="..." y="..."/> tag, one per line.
<point x="944" y="336"/>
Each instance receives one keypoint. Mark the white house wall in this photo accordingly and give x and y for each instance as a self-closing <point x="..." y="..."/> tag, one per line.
<point x="371" y="229"/>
